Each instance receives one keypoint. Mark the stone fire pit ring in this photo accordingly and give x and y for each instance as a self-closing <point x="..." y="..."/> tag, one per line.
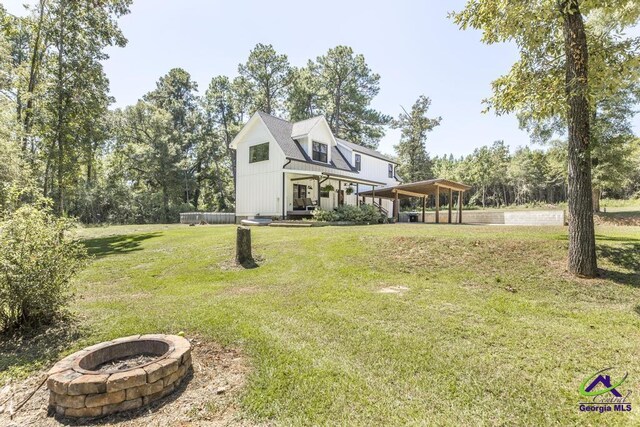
<point x="80" y="385"/>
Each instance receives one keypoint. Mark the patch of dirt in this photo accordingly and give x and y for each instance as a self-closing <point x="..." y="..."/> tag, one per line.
<point x="208" y="396"/>
<point x="393" y="290"/>
<point x="232" y="265"/>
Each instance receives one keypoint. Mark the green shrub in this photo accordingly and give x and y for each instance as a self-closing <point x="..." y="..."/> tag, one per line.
<point x="362" y="214"/>
<point x="37" y="261"/>
<point x="371" y="214"/>
<point x="325" y="216"/>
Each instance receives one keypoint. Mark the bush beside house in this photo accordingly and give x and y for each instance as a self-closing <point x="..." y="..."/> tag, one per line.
<point x="365" y="214"/>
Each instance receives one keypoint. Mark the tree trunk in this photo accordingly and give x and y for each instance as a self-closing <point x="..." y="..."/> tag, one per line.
<point x="597" y="193"/>
<point x="582" y="245"/>
<point x="59" y="194"/>
<point x="243" y="246"/>
<point x="165" y="202"/>
<point x="33" y="75"/>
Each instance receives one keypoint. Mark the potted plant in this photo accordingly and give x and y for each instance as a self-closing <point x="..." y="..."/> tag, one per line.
<point x="328" y="187"/>
<point x="348" y="191"/>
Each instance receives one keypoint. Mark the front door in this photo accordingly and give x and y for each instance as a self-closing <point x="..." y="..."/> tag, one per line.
<point x="340" y="197"/>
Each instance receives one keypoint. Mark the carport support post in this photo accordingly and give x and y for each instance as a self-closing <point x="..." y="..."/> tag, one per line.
<point x="450" y="203"/>
<point x="424" y="206"/>
<point x="437" y="205"/>
<point x="460" y="193"/>
<point x="396" y="207"/>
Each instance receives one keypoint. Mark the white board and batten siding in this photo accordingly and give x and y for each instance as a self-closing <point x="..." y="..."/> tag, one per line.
<point x="373" y="169"/>
<point x="259" y="184"/>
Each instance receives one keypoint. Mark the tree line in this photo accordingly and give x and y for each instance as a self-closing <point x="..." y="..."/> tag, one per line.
<point x="170" y="152"/>
<point x="529" y="176"/>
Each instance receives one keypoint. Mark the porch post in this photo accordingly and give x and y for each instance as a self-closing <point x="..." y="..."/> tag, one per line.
<point x="396" y="207"/>
<point x="424" y="205"/>
<point x="450" y="203"/>
<point x="358" y="193"/>
<point x="437" y="205"/>
<point x="339" y="188"/>
<point x="284" y="196"/>
<point x="318" y="207"/>
<point x="460" y="193"/>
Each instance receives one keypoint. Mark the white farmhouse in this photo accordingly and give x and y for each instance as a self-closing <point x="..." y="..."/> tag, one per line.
<point x="288" y="169"/>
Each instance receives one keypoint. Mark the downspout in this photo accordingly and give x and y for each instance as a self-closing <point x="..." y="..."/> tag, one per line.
<point x="284" y="193"/>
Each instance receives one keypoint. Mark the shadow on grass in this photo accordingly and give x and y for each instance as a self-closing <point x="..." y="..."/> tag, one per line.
<point x="112" y="245"/>
<point x="35" y="348"/>
<point x="620" y="239"/>
<point x="626" y="256"/>
<point x="249" y="264"/>
<point x="620" y="214"/>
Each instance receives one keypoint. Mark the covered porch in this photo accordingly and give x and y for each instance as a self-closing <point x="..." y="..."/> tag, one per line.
<point x="435" y="188"/>
<point x="305" y="191"/>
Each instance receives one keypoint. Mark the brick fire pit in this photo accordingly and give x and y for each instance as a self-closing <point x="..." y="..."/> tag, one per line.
<point x="118" y="375"/>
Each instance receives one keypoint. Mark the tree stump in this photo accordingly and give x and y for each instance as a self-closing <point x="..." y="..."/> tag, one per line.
<point x="243" y="246"/>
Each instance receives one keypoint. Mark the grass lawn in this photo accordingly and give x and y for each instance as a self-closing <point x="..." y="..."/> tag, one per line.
<point x="490" y="330"/>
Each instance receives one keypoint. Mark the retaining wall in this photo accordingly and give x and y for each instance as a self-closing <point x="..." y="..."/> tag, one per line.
<point x="548" y="217"/>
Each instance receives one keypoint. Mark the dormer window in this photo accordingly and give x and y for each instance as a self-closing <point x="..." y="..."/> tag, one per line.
<point x="390" y="170"/>
<point x="320" y="151"/>
<point x="358" y="162"/>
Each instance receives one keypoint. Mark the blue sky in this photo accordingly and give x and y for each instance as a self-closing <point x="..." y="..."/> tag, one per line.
<point x="414" y="47"/>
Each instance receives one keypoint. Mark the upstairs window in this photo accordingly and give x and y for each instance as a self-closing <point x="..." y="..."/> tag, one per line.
<point x="390" y="170"/>
<point x="259" y="153"/>
<point x="320" y="152"/>
<point x="358" y="162"/>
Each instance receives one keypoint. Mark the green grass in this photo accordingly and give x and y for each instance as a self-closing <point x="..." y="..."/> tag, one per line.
<point x="617" y="203"/>
<point x="491" y="331"/>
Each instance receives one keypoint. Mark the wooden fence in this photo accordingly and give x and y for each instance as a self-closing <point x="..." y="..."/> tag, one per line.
<point x="207" y="217"/>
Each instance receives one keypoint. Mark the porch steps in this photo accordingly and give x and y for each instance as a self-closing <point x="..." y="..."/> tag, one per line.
<point x="256" y="222"/>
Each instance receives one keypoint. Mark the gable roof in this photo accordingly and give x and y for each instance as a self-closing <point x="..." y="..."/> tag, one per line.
<point x="283" y="132"/>
<point x="304" y="127"/>
<point x="365" y="150"/>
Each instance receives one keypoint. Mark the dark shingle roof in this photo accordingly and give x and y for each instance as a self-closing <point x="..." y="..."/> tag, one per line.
<point x="281" y="131"/>
<point x="365" y="150"/>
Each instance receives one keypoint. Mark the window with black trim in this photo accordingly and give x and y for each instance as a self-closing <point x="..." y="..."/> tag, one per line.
<point x="390" y="170"/>
<point x="320" y="152"/>
<point x="358" y="162"/>
<point x="259" y="153"/>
